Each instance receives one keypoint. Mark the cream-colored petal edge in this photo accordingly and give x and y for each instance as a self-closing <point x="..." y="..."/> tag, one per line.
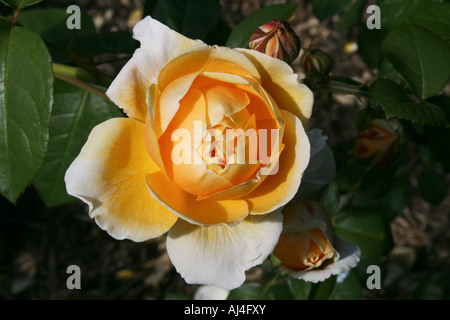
<point x="159" y="44"/>
<point x="349" y="256"/>
<point x="220" y="255"/>
<point x="109" y="175"/>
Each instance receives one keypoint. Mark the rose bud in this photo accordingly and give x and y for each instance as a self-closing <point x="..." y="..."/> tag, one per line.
<point x="307" y="248"/>
<point x="276" y="39"/>
<point x="377" y="145"/>
<point x="315" y="62"/>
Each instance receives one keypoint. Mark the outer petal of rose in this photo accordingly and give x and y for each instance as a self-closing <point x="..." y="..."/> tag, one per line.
<point x="109" y="175"/>
<point x="349" y="255"/>
<point x="186" y="206"/>
<point x="159" y="44"/>
<point x="321" y="169"/>
<point x="282" y="84"/>
<point x="279" y="188"/>
<point x="220" y="255"/>
<point x="211" y="293"/>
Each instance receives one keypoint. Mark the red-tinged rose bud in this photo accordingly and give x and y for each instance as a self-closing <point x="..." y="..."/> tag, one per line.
<point x="277" y="39"/>
<point x="316" y="63"/>
<point x="377" y="145"/>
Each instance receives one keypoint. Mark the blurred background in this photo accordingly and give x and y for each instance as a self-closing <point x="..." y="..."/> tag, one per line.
<point x="38" y="243"/>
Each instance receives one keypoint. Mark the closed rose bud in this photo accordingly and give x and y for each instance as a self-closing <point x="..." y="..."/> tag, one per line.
<point x="307" y="248"/>
<point x="307" y="241"/>
<point x="276" y="39"/>
<point x="315" y="62"/>
<point x="377" y="145"/>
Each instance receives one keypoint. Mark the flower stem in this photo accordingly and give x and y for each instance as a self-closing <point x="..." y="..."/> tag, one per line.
<point x="269" y="284"/>
<point x="342" y="86"/>
<point x="72" y="72"/>
<point x="77" y="77"/>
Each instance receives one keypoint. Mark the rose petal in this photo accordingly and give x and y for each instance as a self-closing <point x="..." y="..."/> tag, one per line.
<point x="190" y="173"/>
<point x="349" y="255"/>
<point x="220" y="255"/>
<point x="207" y="59"/>
<point x="211" y="293"/>
<point x="169" y="101"/>
<point x="279" y="188"/>
<point x="282" y="84"/>
<point x="186" y="206"/>
<point x="109" y="175"/>
<point x="223" y="101"/>
<point x="321" y="169"/>
<point x="159" y="44"/>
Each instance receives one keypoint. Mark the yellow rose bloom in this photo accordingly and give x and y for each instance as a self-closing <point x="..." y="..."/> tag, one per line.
<point x="213" y="146"/>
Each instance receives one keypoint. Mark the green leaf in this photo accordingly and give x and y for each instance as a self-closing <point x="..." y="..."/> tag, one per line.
<point x="435" y="18"/>
<point x="300" y="289"/>
<point x="20" y="4"/>
<point x="351" y="15"/>
<point x="398" y="197"/>
<point x="377" y="182"/>
<point x="437" y="139"/>
<point x="421" y="57"/>
<point x="322" y="290"/>
<point x="324" y="9"/>
<point x="395" y="12"/>
<point x="25" y="106"/>
<point x="366" y="229"/>
<point x="369" y="46"/>
<point x="192" y="18"/>
<point x="248" y="291"/>
<point x="432" y="186"/>
<point x="277" y="291"/>
<point x="75" y="112"/>
<point x="240" y="35"/>
<point x="442" y="101"/>
<point x="396" y="103"/>
<point x="51" y="25"/>
<point x="347" y="289"/>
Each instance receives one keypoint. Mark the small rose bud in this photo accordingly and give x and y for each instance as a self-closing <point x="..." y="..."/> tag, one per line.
<point x="277" y="39"/>
<point x="315" y="62"/>
<point x="377" y="145"/>
<point x="307" y="248"/>
<point x="307" y="238"/>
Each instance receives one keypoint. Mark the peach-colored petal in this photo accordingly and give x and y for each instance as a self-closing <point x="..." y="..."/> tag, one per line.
<point x="109" y="175"/>
<point x="283" y="85"/>
<point x="169" y="101"/>
<point x="223" y="101"/>
<point x="207" y="59"/>
<point x="347" y="256"/>
<point x="159" y="44"/>
<point x="186" y="206"/>
<point x="179" y="145"/>
<point x="278" y="189"/>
